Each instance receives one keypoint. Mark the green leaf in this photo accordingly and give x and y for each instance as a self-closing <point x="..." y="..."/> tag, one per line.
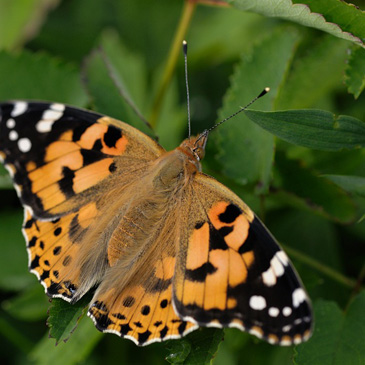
<point x="30" y="305"/>
<point x="317" y="194"/>
<point x="14" y="273"/>
<point x="20" y="19"/>
<point x="324" y="60"/>
<point x="244" y="150"/>
<point x="64" y="317"/>
<point x="352" y="184"/>
<point x="127" y="70"/>
<point x="39" y="76"/>
<point x="315" y="129"/>
<point x="355" y="71"/>
<point x="338" y="336"/>
<point x="198" y="348"/>
<point x="75" y="351"/>
<point x="332" y="16"/>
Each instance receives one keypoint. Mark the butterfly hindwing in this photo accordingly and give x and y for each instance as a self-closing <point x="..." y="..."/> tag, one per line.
<point x="232" y="273"/>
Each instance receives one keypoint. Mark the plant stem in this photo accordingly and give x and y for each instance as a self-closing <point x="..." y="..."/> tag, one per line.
<point x="332" y="274"/>
<point x="175" y="49"/>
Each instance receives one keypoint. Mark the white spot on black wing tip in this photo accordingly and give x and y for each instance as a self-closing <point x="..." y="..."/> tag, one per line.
<point x="13" y="135"/>
<point x="299" y="297"/>
<point x="10" y="123"/>
<point x="58" y="107"/>
<point x="274" y="312"/>
<point x="19" y="108"/>
<point x="24" y="145"/>
<point x="257" y="302"/>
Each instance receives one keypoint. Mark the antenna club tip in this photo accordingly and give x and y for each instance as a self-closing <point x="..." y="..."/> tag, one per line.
<point x="185" y="46"/>
<point x="267" y="89"/>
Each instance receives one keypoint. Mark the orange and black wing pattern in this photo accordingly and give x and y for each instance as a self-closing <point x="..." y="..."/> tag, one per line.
<point x="232" y="273"/>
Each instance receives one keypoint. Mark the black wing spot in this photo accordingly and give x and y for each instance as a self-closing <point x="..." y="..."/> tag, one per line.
<point x="145" y="310"/>
<point x="112" y="167"/>
<point x="230" y="214"/>
<point x="57" y="250"/>
<point x="32" y="241"/>
<point x="143" y="337"/>
<point x="201" y="273"/>
<point x="163" y="303"/>
<point x="128" y="302"/>
<point x="67" y="260"/>
<point x="57" y="231"/>
<point x="66" y="183"/>
<point x="112" y="136"/>
<point x="118" y="315"/>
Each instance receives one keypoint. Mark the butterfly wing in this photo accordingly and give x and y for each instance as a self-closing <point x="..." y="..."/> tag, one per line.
<point x="63" y="161"/>
<point x="232" y="273"/>
<point x="134" y="299"/>
<point x="58" y="155"/>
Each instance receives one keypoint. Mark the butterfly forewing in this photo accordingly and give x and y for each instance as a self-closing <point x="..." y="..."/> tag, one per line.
<point x="63" y="162"/>
<point x="232" y="273"/>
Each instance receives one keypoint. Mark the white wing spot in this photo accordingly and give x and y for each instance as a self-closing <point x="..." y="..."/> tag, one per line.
<point x="276" y="269"/>
<point x="257" y="302"/>
<point x="286" y="328"/>
<point x="13" y="135"/>
<point x="58" y="107"/>
<point x="44" y="126"/>
<point x="24" y="144"/>
<point x="255" y="332"/>
<point x="287" y="311"/>
<point x="273" y="312"/>
<point x="299" y="297"/>
<point x="285" y="342"/>
<point x="283" y="257"/>
<point x="10" y="123"/>
<point x="19" y="108"/>
<point x="277" y="266"/>
<point x="268" y="277"/>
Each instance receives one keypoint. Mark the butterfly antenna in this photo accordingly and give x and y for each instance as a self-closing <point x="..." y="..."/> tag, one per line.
<point x="185" y="50"/>
<point x="263" y="92"/>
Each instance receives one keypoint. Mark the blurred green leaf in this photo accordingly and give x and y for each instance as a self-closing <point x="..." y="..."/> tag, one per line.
<point x="338" y="336"/>
<point x="318" y="68"/>
<point x="75" y="351"/>
<point x="38" y="76"/>
<point x="64" y="317"/>
<point x="14" y="273"/>
<point x="198" y="348"/>
<point x="112" y="65"/>
<point x="355" y="71"/>
<point x="332" y="16"/>
<point x="20" y="19"/>
<point x="244" y="150"/>
<point x="30" y="305"/>
<point x="318" y="194"/>
<point x="315" y="129"/>
<point x="5" y="182"/>
<point x="352" y="184"/>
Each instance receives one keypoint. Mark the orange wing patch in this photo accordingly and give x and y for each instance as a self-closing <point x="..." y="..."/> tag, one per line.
<point x="214" y="264"/>
<point x="53" y="247"/>
<point x="144" y="312"/>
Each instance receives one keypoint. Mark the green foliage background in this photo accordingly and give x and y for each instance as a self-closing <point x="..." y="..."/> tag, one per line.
<point x="302" y="171"/>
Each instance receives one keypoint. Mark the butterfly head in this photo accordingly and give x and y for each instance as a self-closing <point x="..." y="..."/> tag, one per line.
<point x="198" y="145"/>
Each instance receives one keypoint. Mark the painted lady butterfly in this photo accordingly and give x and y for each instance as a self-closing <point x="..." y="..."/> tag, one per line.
<point x="168" y="247"/>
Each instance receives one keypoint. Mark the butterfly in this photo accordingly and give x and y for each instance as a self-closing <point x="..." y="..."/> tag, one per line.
<point x="167" y="247"/>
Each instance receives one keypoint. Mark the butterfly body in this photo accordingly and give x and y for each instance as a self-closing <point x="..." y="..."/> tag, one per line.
<point x="168" y="247"/>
